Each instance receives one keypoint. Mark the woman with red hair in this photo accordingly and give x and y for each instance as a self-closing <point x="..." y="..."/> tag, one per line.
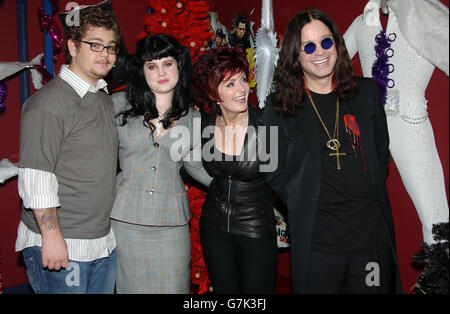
<point x="237" y="225"/>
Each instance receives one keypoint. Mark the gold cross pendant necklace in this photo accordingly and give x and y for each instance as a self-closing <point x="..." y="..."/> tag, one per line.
<point x="333" y="143"/>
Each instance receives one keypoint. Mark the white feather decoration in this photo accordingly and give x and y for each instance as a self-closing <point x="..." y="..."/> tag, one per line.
<point x="8" y="69"/>
<point x="7" y="170"/>
<point x="266" y="53"/>
<point x="36" y="76"/>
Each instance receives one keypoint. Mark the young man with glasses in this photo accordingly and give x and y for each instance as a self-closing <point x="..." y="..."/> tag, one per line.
<point x="68" y="160"/>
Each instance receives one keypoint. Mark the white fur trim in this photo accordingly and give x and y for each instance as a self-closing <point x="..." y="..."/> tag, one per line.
<point x="7" y="170"/>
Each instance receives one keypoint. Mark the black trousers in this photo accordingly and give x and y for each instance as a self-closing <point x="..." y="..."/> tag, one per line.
<point x="370" y="271"/>
<point x="239" y="264"/>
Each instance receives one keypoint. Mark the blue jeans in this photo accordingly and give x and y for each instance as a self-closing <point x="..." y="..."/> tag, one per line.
<point x="96" y="277"/>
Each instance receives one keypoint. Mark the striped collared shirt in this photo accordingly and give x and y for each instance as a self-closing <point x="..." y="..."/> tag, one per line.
<point x="78" y="84"/>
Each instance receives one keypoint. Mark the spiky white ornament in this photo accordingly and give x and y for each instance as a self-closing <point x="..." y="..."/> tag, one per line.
<point x="266" y="55"/>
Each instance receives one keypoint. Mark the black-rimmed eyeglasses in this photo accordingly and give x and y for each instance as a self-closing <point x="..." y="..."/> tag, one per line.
<point x="112" y="50"/>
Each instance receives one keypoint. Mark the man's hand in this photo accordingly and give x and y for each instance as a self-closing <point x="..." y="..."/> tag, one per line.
<point x="54" y="252"/>
<point x="54" y="248"/>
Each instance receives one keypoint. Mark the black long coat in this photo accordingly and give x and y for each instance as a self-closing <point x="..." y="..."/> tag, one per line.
<point x="298" y="176"/>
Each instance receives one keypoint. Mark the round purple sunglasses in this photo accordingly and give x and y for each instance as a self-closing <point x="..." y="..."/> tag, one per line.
<point x="326" y="44"/>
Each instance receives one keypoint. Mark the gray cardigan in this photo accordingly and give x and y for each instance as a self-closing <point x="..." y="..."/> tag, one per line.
<point x="150" y="190"/>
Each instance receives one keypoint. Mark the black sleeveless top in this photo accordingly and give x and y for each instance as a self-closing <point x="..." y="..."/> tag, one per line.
<point x="239" y="200"/>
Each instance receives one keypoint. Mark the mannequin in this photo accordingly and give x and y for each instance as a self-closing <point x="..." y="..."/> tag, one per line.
<point x="411" y="64"/>
<point x="384" y="7"/>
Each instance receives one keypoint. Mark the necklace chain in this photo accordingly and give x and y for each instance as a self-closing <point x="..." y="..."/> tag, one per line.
<point x="333" y="143"/>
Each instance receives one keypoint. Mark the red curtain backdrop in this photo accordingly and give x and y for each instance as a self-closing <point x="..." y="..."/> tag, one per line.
<point x="131" y="17"/>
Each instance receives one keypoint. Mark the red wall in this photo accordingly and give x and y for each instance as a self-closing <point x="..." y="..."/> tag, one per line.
<point x="131" y="17"/>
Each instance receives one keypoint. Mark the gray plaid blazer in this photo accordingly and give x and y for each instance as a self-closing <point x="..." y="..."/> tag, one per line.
<point x="149" y="189"/>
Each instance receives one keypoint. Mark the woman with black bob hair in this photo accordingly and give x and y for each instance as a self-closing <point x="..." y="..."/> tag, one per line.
<point x="141" y="98"/>
<point x="150" y="215"/>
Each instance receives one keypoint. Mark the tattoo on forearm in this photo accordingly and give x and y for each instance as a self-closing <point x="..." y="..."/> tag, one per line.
<point x="49" y="220"/>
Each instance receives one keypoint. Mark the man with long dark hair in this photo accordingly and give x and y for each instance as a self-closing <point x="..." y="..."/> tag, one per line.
<point x="333" y="159"/>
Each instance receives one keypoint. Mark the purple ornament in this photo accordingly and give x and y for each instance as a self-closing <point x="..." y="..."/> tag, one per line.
<point x="3" y="93"/>
<point x="381" y="67"/>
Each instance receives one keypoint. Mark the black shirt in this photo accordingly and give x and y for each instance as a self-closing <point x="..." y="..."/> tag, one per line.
<point x="348" y="212"/>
